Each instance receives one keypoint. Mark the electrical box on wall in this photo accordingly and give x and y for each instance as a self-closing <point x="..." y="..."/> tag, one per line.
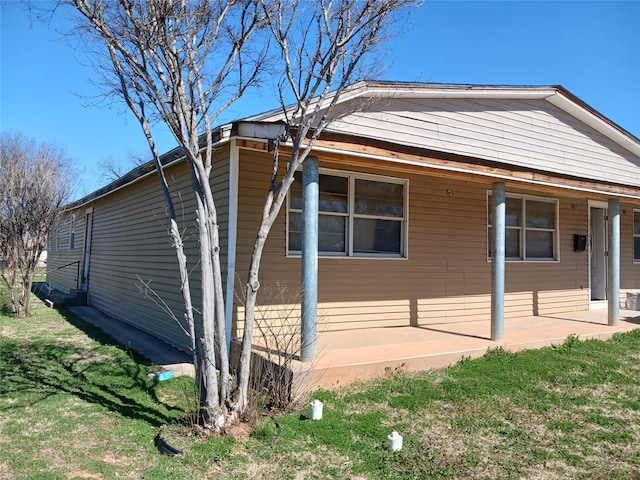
<point x="579" y="243"/>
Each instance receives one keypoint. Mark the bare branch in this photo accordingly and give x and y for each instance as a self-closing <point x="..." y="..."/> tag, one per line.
<point x="323" y="45"/>
<point x="182" y="63"/>
<point x="34" y="188"/>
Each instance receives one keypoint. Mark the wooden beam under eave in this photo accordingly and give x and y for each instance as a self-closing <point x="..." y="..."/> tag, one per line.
<point x="252" y="144"/>
<point x="456" y="166"/>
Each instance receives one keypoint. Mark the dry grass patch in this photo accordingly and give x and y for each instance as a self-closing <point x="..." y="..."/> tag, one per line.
<point x="551" y="470"/>
<point x="88" y="475"/>
<point x="299" y="462"/>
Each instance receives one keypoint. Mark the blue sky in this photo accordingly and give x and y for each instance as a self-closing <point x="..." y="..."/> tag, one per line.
<point x="592" y="48"/>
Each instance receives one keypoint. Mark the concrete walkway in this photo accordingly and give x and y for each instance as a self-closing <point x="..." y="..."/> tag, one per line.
<point x="349" y="355"/>
<point x="166" y="357"/>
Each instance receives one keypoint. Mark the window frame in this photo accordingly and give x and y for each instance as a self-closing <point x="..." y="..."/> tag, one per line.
<point x="72" y="232"/>
<point x="636" y="211"/>
<point x="523" y="229"/>
<point x="350" y="216"/>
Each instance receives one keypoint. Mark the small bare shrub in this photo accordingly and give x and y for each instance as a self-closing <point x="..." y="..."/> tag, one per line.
<point x="277" y="351"/>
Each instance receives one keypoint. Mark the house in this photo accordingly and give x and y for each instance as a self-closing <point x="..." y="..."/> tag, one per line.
<point x="411" y="186"/>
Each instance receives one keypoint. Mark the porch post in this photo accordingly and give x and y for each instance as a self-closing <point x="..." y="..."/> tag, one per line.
<point x="498" y="210"/>
<point x="613" y="258"/>
<point x="310" y="199"/>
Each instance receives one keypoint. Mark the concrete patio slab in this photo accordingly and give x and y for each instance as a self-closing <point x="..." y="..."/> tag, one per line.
<point x="346" y="356"/>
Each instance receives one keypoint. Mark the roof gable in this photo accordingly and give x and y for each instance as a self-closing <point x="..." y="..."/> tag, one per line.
<point x="524" y="133"/>
<point x="543" y="128"/>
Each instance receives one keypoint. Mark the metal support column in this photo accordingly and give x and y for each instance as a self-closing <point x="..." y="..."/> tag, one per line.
<point x="498" y="210"/>
<point x="613" y="258"/>
<point x="310" y="199"/>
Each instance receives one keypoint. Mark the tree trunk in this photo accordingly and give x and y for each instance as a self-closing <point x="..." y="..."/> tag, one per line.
<point x="209" y="395"/>
<point x="185" y="287"/>
<point x="220" y="317"/>
<point x="214" y="324"/>
<point x="25" y="302"/>
<point x="253" y="285"/>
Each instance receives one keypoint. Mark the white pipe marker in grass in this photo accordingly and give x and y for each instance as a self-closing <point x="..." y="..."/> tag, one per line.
<point x="395" y="441"/>
<point x="316" y="410"/>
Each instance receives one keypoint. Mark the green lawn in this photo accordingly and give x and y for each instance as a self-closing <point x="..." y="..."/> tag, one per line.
<point x="74" y="406"/>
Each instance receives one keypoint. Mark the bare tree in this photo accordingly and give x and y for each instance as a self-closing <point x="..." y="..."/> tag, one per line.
<point x="34" y="188"/>
<point x="324" y="46"/>
<point x="182" y="63"/>
<point x="112" y="168"/>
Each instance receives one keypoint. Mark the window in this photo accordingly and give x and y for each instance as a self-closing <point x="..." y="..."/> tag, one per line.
<point x="636" y="235"/>
<point x="531" y="228"/>
<point x="57" y="237"/>
<point x="72" y="231"/>
<point x="359" y="215"/>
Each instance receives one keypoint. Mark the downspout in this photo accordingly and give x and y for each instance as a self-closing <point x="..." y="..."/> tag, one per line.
<point x="613" y="257"/>
<point x="310" y="200"/>
<point x="232" y="233"/>
<point x="498" y="210"/>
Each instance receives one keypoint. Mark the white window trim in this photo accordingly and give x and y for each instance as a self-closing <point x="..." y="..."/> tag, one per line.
<point x="523" y="228"/>
<point x="635" y="235"/>
<point x="353" y="176"/>
<point x="57" y="239"/>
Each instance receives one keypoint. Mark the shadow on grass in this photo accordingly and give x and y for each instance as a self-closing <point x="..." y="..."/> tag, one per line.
<point x="35" y="371"/>
<point x="92" y="331"/>
<point x="6" y="308"/>
<point x="96" y="333"/>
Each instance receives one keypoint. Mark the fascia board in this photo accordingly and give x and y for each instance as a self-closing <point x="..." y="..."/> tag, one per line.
<point x="461" y="92"/>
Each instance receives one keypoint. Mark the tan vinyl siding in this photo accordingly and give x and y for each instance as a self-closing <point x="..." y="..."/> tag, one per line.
<point x="62" y="269"/>
<point x="629" y="271"/>
<point x="131" y="248"/>
<point x="130" y="240"/>
<point x="471" y="307"/>
<point x="561" y="301"/>
<point x="528" y="133"/>
<point x="366" y="314"/>
<point x="352" y="314"/>
<point x="446" y="277"/>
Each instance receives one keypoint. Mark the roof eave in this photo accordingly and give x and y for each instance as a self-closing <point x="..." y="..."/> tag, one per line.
<point x="571" y="104"/>
<point x="173" y="156"/>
